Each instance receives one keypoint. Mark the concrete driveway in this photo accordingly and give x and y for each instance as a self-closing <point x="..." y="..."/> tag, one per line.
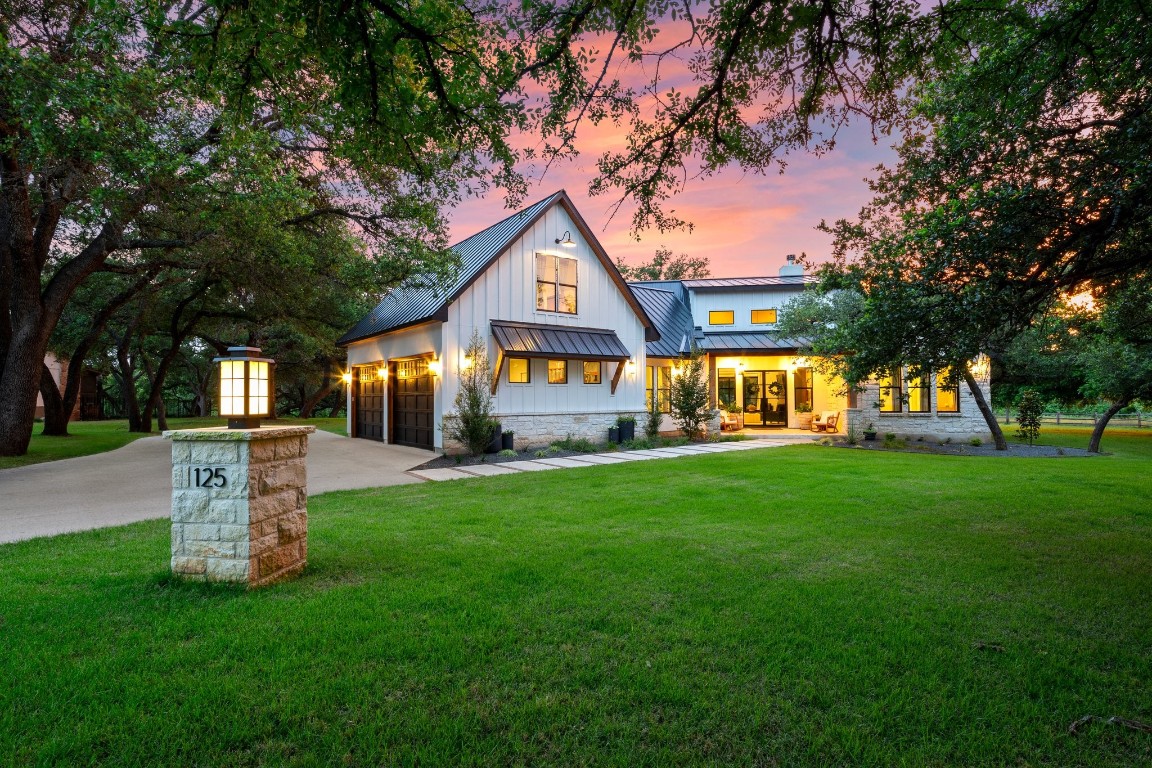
<point x="135" y="483"/>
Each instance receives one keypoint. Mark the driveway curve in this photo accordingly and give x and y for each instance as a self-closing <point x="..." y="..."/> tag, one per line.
<point x="134" y="483"/>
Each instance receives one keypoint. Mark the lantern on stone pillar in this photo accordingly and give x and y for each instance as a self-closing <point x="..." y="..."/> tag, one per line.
<point x="245" y="387"/>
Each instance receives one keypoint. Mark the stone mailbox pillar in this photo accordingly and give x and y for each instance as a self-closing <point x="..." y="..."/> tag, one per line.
<point x="239" y="503"/>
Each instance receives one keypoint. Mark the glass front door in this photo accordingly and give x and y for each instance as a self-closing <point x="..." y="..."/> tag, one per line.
<point x="765" y="398"/>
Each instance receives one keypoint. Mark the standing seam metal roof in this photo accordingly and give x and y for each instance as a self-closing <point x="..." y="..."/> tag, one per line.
<point x="531" y="340"/>
<point x="414" y="303"/>
<point x="672" y="317"/>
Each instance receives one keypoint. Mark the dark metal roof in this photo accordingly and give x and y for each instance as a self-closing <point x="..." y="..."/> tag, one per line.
<point x="754" y="341"/>
<point x="417" y="302"/>
<point x="558" y="341"/>
<point x="672" y="317"/>
<point x="728" y="283"/>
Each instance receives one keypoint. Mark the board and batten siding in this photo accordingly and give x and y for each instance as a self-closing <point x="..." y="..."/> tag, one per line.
<point x="741" y="303"/>
<point x="507" y="291"/>
<point x="410" y="342"/>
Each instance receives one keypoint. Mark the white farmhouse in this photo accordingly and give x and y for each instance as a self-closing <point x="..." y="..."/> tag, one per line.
<point x="574" y="347"/>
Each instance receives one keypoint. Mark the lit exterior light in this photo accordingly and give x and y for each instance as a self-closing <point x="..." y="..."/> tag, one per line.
<point x="245" y="387"/>
<point x="435" y="367"/>
<point x="980" y="368"/>
<point x="346" y="377"/>
<point x="465" y="362"/>
<point x="631" y="366"/>
<point x="565" y="240"/>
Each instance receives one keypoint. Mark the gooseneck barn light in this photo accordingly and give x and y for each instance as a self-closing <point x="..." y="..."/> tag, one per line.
<point x="565" y="240"/>
<point x="245" y="387"/>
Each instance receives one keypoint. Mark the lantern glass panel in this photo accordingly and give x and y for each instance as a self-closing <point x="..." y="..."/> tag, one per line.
<point x="257" y="388"/>
<point x="232" y="388"/>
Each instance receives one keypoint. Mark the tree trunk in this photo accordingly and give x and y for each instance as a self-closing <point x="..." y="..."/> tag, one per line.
<point x="985" y="411"/>
<point x="127" y="379"/>
<point x="19" y="382"/>
<point x="56" y="411"/>
<point x="1102" y="423"/>
<point x="308" y="403"/>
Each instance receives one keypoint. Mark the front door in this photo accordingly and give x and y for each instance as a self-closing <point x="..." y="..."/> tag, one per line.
<point x="765" y="398"/>
<point x="412" y="404"/>
<point x="369" y="402"/>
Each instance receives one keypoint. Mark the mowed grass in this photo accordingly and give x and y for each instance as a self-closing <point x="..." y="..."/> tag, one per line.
<point x="795" y="606"/>
<point x="88" y="437"/>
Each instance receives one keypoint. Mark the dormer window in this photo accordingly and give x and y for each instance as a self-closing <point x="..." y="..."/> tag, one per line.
<point x="555" y="283"/>
<point x="721" y="317"/>
<point x="763" y="316"/>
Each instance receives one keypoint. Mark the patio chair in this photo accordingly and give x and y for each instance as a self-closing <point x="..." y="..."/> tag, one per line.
<point x="730" y="422"/>
<point x="826" y="422"/>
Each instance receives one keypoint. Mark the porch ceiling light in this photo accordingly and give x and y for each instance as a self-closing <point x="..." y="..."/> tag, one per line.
<point x="565" y="240"/>
<point x="245" y="386"/>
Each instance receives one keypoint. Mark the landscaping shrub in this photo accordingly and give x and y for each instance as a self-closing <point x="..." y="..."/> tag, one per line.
<point x="689" y="396"/>
<point x="471" y="423"/>
<point x="1030" y="408"/>
<point x="577" y="445"/>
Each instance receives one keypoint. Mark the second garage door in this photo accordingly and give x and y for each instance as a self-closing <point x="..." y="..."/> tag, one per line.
<point x="412" y="404"/>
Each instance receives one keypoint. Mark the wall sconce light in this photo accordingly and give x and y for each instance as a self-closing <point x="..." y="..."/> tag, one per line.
<point x="435" y="367"/>
<point x="630" y="366"/>
<point x="565" y="240"/>
<point x="465" y="362"/>
<point x="382" y="373"/>
<point x="346" y="377"/>
<point x="245" y="387"/>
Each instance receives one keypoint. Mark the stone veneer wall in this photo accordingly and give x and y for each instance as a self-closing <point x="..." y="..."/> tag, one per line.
<point x="537" y="430"/>
<point x="254" y="529"/>
<point x="962" y="426"/>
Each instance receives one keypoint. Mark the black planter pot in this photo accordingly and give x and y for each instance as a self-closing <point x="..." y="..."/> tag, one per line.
<point x="613" y="434"/>
<point x="497" y="439"/>
<point x="506" y="441"/>
<point x="627" y="430"/>
<point x="869" y="436"/>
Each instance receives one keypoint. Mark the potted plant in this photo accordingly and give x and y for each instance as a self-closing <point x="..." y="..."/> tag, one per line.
<point x="804" y="415"/>
<point x="497" y="442"/>
<point x="627" y="426"/>
<point x="870" y="431"/>
<point x="614" y="434"/>
<point x="506" y="441"/>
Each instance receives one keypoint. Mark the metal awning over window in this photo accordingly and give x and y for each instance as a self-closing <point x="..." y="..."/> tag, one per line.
<point x="557" y="343"/>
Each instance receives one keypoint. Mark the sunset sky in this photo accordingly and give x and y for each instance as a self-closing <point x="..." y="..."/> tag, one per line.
<point x="744" y="223"/>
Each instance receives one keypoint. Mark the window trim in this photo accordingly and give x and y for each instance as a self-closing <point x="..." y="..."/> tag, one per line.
<point x="773" y="321"/>
<point x="565" y="363"/>
<point x="955" y="389"/>
<point x="527" y="368"/>
<point x="730" y="312"/>
<point x="557" y="285"/>
<point x="599" y="372"/>
<point x="925" y="393"/>
<point x="895" y="393"/>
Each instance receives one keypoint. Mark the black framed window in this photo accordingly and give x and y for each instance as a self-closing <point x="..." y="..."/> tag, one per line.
<point x="721" y="317"/>
<point x="726" y="386"/>
<point x="802" y="382"/>
<point x="556" y="283"/>
<point x="947" y="393"/>
<point x="919" y="395"/>
<point x="763" y="316"/>
<point x="519" y="370"/>
<point x="557" y="371"/>
<point x="658" y="380"/>
<point x="890" y="394"/>
<point x="592" y="372"/>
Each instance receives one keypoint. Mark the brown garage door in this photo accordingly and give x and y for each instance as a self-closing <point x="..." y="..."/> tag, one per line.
<point x="369" y="403"/>
<point x="412" y="407"/>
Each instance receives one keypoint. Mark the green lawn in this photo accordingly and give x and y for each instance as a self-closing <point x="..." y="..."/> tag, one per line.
<point x="795" y="606"/>
<point x="89" y="437"/>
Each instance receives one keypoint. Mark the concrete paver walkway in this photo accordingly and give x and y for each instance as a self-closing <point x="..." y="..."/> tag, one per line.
<point x="592" y="459"/>
<point x="135" y="483"/>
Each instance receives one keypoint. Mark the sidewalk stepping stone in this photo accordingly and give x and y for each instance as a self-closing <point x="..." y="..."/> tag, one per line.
<point x="527" y="466"/>
<point x="635" y="456"/>
<point x="563" y="462"/>
<point x="440" y="474"/>
<point x="601" y="458"/>
<point x="487" y="470"/>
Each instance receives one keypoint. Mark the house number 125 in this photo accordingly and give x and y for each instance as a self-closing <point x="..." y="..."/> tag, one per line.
<point x="209" y="477"/>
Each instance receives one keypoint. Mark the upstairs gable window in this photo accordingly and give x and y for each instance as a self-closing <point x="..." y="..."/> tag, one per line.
<point x="763" y="316"/>
<point x="555" y="283"/>
<point x="721" y="317"/>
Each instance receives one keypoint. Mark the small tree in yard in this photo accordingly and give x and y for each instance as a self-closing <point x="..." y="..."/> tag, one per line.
<point x="471" y="423"/>
<point x="653" y="417"/>
<point x="689" y="396"/>
<point x="1031" y="407"/>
